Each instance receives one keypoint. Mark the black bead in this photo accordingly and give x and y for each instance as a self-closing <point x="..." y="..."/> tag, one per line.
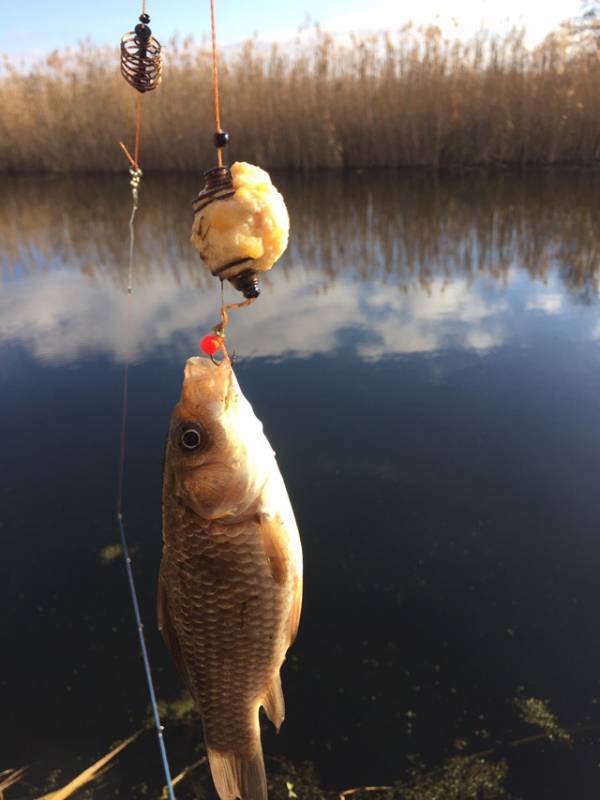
<point x="251" y="291"/>
<point x="247" y="282"/>
<point x="145" y="18"/>
<point x="221" y="138"/>
<point x="143" y="32"/>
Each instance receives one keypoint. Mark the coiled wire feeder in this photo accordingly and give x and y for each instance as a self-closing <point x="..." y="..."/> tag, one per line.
<point x="141" y="57"/>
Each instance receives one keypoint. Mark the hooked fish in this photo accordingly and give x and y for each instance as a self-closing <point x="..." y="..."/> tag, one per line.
<point x="230" y="583"/>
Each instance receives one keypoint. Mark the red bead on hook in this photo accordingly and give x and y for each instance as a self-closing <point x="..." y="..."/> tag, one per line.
<point x="211" y="344"/>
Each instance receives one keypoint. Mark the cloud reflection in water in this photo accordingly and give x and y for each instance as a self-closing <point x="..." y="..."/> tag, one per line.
<point x="410" y="269"/>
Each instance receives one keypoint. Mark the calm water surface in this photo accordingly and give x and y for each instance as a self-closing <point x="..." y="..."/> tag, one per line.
<point x="426" y="361"/>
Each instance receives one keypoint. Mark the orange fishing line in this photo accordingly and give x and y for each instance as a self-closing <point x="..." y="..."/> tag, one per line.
<point x="215" y="72"/>
<point x="138" y="130"/>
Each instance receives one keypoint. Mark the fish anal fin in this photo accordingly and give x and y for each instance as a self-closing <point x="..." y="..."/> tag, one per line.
<point x="238" y="776"/>
<point x="274" y="704"/>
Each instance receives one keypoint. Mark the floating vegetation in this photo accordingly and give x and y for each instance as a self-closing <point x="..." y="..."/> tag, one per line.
<point x="293" y="781"/>
<point x="537" y="712"/>
<point x="460" y="778"/>
<point x="479" y="776"/>
<point x="180" y="711"/>
<point x="110" y="553"/>
<point x="474" y="776"/>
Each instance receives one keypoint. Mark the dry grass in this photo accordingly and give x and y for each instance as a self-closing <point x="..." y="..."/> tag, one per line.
<point x="405" y="98"/>
<point x="90" y="774"/>
<point x="8" y="778"/>
<point x="477" y="776"/>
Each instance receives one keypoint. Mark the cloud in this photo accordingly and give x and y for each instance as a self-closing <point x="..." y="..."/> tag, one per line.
<point x="549" y="303"/>
<point x="449" y="314"/>
<point x="62" y="315"/>
<point x="463" y="20"/>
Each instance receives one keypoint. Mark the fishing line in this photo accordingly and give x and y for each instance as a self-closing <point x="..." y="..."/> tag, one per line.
<point x="141" y="66"/>
<point x="210" y="344"/>
<point x="215" y="73"/>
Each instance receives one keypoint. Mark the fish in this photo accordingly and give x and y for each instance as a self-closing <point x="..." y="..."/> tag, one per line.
<point x="230" y="579"/>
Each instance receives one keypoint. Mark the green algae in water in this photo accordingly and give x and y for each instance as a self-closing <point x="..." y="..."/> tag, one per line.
<point x="180" y="711"/>
<point x="460" y="778"/>
<point x="110" y="553"/>
<point x="537" y="712"/>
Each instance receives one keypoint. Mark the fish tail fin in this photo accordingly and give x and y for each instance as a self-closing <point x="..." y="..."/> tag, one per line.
<point x="274" y="704"/>
<point x="236" y="776"/>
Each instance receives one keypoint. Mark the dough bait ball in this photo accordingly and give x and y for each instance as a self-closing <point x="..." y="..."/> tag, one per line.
<point x="241" y="225"/>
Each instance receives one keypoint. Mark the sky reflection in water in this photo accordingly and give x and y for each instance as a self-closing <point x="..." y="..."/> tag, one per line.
<point x="447" y="499"/>
<point x="406" y="268"/>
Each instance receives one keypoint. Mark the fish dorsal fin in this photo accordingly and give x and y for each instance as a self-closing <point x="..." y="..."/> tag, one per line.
<point x="273" y="703"/>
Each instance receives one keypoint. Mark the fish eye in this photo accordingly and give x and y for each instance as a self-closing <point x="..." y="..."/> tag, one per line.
<point x="192" y="436"/>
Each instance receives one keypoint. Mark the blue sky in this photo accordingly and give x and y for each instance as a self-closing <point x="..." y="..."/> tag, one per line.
<point x="42" y="25"/>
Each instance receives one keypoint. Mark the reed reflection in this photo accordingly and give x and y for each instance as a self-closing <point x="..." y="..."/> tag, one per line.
<point x="385" y="225"/>
<point x="415" y="261"/>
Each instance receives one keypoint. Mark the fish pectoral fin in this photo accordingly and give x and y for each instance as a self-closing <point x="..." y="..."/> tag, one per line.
<point x="277" y="551"/>
<point x="296" y="609"/>
<point x="165" y="626"/>
<point x="275" y="546"/>
<point x="238" y="777"/>
<point x="274" y="704"/>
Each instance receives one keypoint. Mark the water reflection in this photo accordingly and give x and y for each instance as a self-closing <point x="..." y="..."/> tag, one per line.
<point x="406" y="262"/>
<point x="448" y="505"/>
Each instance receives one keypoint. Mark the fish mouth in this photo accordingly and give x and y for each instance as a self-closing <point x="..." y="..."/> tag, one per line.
<point x="197" y="368"/>
<point x="206" y="371"/>
<point x="206" y="385"/>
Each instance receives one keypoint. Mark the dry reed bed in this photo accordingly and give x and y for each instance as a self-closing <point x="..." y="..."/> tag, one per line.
<point x="405" y="98"/>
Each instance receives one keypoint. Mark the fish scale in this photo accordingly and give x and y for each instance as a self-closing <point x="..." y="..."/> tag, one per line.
<point x="231" y="574"/>
<point x="216" y="627"/>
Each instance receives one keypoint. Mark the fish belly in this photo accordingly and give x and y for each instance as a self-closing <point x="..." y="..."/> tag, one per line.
<point x="229" y="604"/>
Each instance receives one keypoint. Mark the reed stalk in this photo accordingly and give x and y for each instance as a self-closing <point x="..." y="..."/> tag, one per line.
<point x="411" y="97"/>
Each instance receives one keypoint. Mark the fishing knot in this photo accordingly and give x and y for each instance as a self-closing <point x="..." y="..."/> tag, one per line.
<point x="136" y="177"/>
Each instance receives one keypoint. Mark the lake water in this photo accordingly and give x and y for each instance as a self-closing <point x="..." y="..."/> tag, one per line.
<point x="426" y="362"/>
